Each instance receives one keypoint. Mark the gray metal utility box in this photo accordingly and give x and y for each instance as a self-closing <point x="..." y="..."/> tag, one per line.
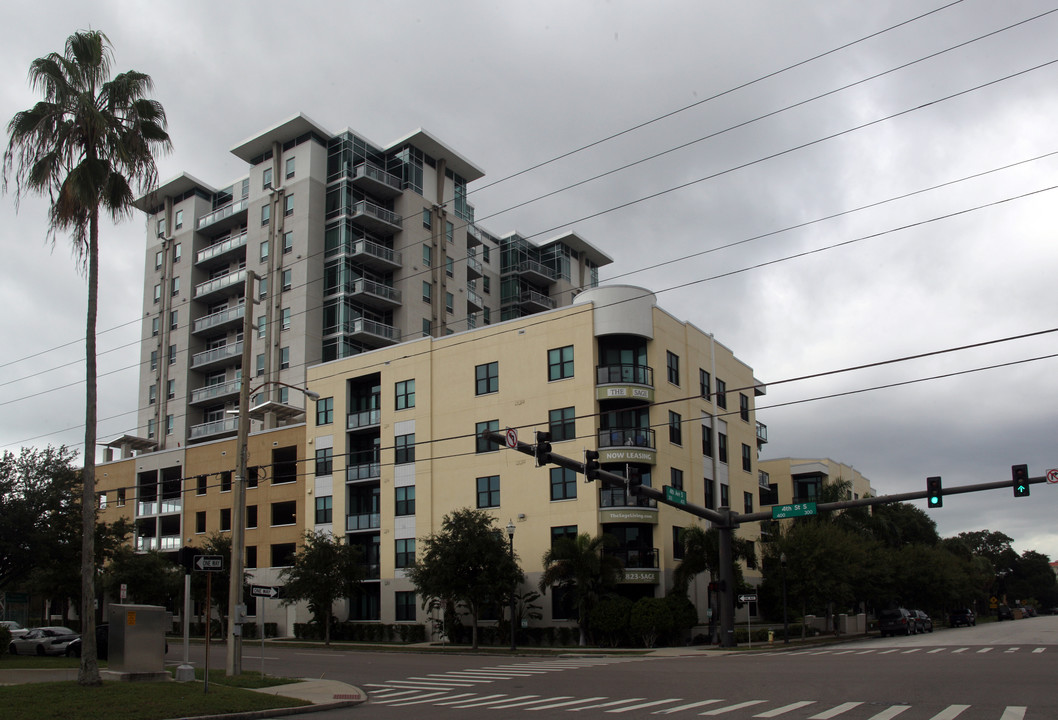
<point x="137" y="638"/>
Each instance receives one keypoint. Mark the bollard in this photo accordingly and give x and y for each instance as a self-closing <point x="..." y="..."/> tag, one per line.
<point x="771" y="636"/>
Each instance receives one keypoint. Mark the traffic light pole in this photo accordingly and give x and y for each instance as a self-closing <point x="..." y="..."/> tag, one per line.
<point x="726" y="521"/>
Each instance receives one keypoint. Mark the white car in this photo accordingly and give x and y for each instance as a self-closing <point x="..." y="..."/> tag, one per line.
<point x="15" y="629"/>
<point x="43" y="641"/>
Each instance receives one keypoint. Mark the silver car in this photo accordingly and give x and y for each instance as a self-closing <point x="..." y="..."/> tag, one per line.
<point x="50" y="640"/>
<point x="14" y="628"/>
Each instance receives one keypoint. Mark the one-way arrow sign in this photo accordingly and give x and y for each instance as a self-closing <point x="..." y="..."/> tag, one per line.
<point x="267" y="591"/>
<point x="209" y="563"/>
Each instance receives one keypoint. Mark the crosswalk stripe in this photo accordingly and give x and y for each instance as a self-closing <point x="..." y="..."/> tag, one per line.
<point x="984" y="650"/>
<point x="484" y="700"/>
<point x="688" y="706"/>
<point x="937" y="650"/>
<point x="384" y="701"/>
<point x="1012" y="650"/>
<point x="567" y="703"/>
<point x="950" y="712"/>
<point x="390" y="692"/>
<point x="960" y="650"/>
<point x="890" y="713"/>
<point x="644" y="705"/>
<point x="835" y="711"/>
<point x="912" y="650"/>
<point x="865" y="652"/>
<point x="531" y="702"/>
<point x="1039" y="650"/>
<point x="785" y="709"/>
<point x="889" y="652"/>
<point x="732" y="708"/>
<point x="430" y="699"/>
<point x="1014" y="712"/>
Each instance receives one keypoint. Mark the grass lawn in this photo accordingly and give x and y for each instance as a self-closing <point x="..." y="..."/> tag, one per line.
<point x="135" y="701"/>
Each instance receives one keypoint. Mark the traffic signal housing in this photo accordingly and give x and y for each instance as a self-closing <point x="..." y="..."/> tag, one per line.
<point x="542" y="452"/>
<point x="1019" y="477"/>
<point x="934" y="492"/>
<point x="635" y="480"/>
<point x="591" y="465"/>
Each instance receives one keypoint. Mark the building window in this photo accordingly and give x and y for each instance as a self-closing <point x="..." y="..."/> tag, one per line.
<point x="743" y="406"/>
<point x="324" y="461"/>
<point x="724" y="495"/>
<point x="121" y="497"/>
<point x="405" y="393"/>
<point x="487" y="378"/>
<point x="481" y="444"/>
<point x="324" y="510"/>
<point x="325" y="411"/>
<point x="200" y="521"/>
<point x="676" y="478"/>
<point x="158" y="293"/>
<point x="288" y="242"/>
<point x="427" y="292"/>
<point x="710" y="499"/>
<point x="161" y="228"/>
<point x="287" y="277"/>
<point x="721" y="447"/>
<point x="266" y="178"/>
<point x="426" y="219"/>
<point x="176" y="286"/>
<point x="260" y="364"/>
<point x="262" y="288"/>
<point x="264" y="251"/>
<point x="427" y="255"/>
<point x="703" y="383"/>
<point x="170" y="391"/>
<point x="284" y="513"/>
<point x="290" y="167"/>
<point x="251" y="516"/>
<point x="405" y="553"/>
<point x="179" y="219"/>
<point x="672" y="362"/>
<point x="563" y="532"/>
<point x="562" y="424"/>
<point x="152" y="394"/>
<point x="172" y="354"/>
<point x="284" y="320"/>
<point x="201" y="483"/>
<point x="486" y="285"/>
<point x="675" y="428"/>
<point x="449" y="302"/>
<point x="405" y="605"/>
<point x="489" y="491"/>
<point x="404" y="449"/>
<point x="560" y="363"/>
<point x="168" y="424"/>
<point x="747" y="502"/>
<point x="266" y="213"/>
<point x="677" y="543"/>
<point x="721" y="393"/>
<point x="251" y="556"/>
<point x="154" y="359"/>
<point x="747" y="459"/>
<point x="225" y="481"/>
<point x="284" y="358"/>
<point x="288" y="205"/>
<point x="450" y="232"/>
<point x="158" y="260"/>
<point x="174" y="319"/>
<point x="283" y="554"/>
<point x="563" y="484"/>
<point x="150" y="428"/>
<point x="405" y="500"/>
<point x="177" y="252"/>
<point x="156" y="324"/>
<point x="225" y="519"/>
<point x="427" y="327"/>
<point x="450" y="267"/>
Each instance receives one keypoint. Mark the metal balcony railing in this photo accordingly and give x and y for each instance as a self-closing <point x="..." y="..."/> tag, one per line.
<point x="627" y="437"/>
<point x="219" y="318"/>
<point x="367" y="521"/>
<point x="366" y="418"/>
<point x="637" y="558"/>
<point x="221" y="213"/>
<point x="210" y="286"/>
<point x="211" y="392"/>
<point x="214" y="428"/>
<point x="634" y="374"/>
<point x="224" y="352"/>
<point x="221" y="247"/>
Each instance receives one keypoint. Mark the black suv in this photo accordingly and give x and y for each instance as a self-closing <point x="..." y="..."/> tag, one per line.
<point x="896" y="621"/>
<point x="964" y="616"/>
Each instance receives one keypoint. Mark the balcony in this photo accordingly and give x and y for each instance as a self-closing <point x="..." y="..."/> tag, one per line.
<point x="627" y="445"/>
<point x="374" y="294"/>
<point x="616" y="497"/>
<point x="474" y="300"/>
<point x="216" y="428"/>
<point x="221" y="252"/>
<point x="624" y="382"/>
<point x="535" y="301"/>
<point x="370" y="332"/>
<point x="370" y="521"/>
<point x="215" y="393"/>
<point x="762" y="434"/>
<point x="228" y="285"/>
<point x="225" y="217"/>
<point x="222" y="320"/>
<point x="366" y="420"/>
<point x="374" y="180"/>
<point x="636" y="558"/>
<point x="375" y="256"/>
<point x="533" y="271"/>
<point x="363" y="471"/>
<point x="143" y="544"/>
<point x="474" y="236"/>
<point x="223" y="355"/>
<point x="374" y="218"/>
<point x="147" y="507"/>
<point x="474" y="268"/>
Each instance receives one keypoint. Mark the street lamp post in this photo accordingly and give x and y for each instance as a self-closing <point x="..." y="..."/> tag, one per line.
<point x="785" y="621"/>
<point x="510" y="536"/>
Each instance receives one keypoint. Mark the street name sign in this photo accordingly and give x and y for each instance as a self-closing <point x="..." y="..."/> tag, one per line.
<point x="778" y="512"/>
<point x="209" y="563"/>
<point x="268" y="591"/>
<point x="675" y="495"/>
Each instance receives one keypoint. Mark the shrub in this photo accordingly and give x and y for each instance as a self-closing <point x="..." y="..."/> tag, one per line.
<point x="650" y="618"/>
<point x="5" y="640"/>
<point x="609" y="619"/>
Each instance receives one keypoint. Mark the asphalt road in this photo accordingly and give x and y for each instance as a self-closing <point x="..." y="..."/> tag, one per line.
<point x="992" y="672"/>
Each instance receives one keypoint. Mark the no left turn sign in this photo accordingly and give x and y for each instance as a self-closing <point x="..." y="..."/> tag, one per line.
<point x="512" y="439"/>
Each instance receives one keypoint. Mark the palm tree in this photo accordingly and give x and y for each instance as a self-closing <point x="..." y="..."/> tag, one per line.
<point x="581" y="566"/>
<point x="701" y="553"/>
<point x="82" y="146"/>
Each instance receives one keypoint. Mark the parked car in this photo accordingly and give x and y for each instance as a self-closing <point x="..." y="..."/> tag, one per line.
<point x="923" y="622"/>
<point x="1004" y="613"/>
<point x="896" y="621"/>
<point x="50" y="640"/>
<point x="964" y="616"/>
<point x="14" y="628"/>
<point x="102" y="643"/>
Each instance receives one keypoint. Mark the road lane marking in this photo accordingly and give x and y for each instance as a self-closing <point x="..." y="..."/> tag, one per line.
<point x="644" y="705"/>
<point x="890" y="713"/>
<point x="688" y="706"/>
<point x="732" y="708"/>
<point x="1013" y="712"/>
<point x="568" y="703"/>
<point x="950" y="713"/>
<point x="835" y="711"/>
<point x="785" y="709"/>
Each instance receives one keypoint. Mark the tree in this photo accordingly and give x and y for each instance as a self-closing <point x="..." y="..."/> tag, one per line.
<point x="582" y="567"/>
<point x="82" y="145"/>
<point x="325" y="570"/>
<point x="150" y="578"/>
<point x="649" y="618"/>
<point x="467" y="563"/>
<point x="701" y="553"/>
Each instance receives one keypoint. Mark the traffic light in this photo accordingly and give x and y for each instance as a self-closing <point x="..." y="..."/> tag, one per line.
<point x="591" y="465"/>
<point x="935" y="495"/>
<point x="635" y="480"/>
<point x="1019" y="475"/>
<point x="543" y="448"/>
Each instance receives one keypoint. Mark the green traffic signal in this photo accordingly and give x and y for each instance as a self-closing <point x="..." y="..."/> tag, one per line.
<point x="1019" y="475"/>
<point x="935" y="492"/>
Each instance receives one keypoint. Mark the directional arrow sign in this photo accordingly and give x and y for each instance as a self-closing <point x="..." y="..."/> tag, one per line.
<point x="267" y="591"/>
<point x="209" y="563"/>
<point x="749" y="597"/>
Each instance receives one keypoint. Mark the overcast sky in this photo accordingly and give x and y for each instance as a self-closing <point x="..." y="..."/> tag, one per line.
<point x="512" y="84"/>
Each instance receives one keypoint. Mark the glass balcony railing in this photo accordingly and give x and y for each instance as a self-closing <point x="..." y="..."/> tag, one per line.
<point x="762" y="433"/>
<point x="212" y="286"/>
<point x="637" y="558"/>
<point x="363" y="326"/>
<point x="217" y="249"/>
<point x="627" y="437"/>
<point x="373" y="172"/>
<point x="224" y="352"/>
<point x="222" y="213"/>
<point x="634" y="374"/>
<point x="364" y="419"/>
<point x="146" y="507"/>
<point x="363" y="471"/>
<point x="532" y="297"/>
<point x="146" y="543"/>
<point x="212" y="392"/>
<point x="227" y="425"/>
<point x="369" y="521"/>
<point x="170" y="543"/>
<point x="616" y="497"/>
<point x="362" y="286"/>
<point x="219" y="319"/>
